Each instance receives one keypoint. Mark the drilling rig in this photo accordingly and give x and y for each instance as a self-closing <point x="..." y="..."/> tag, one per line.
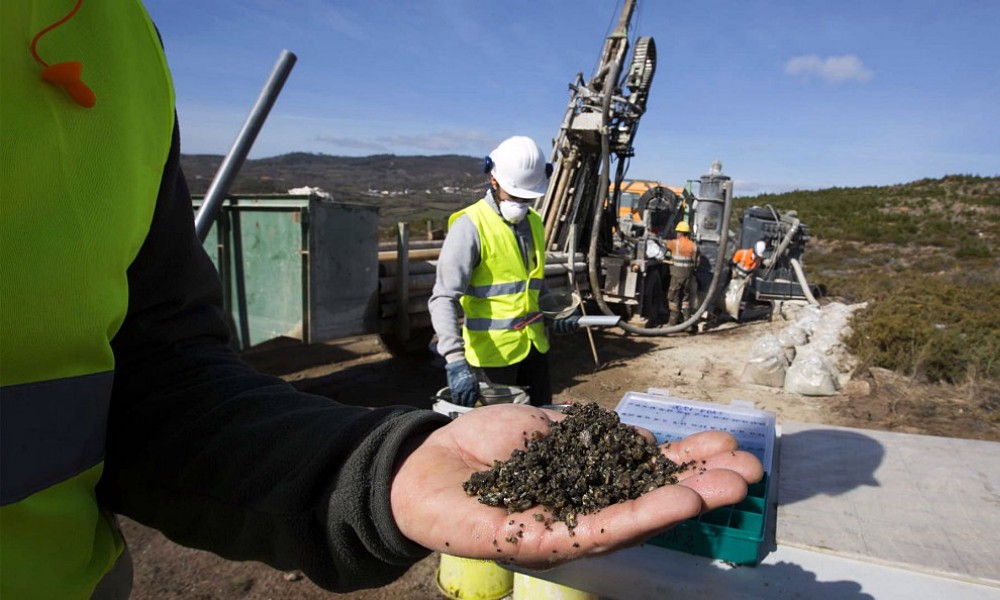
<point x="336" y="280"/>
<point x="582" y="209"/>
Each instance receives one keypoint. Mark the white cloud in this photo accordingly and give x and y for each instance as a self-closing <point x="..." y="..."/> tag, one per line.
<point x="834" y="69"/>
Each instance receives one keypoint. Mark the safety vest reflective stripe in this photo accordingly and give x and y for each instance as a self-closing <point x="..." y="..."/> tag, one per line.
<point x="745" y="261"/>
<point x="682" y="252"/>
<point x="683" y="262"/>
<point x="502" y="289"/>
<point x="73" y="411"/>
<point x="480" y="324"/>
<point x="504" y="297"/>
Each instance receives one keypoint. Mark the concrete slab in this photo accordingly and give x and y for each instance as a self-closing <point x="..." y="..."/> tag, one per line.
<point x="912" y="501"/>
<point x="653" y="573"/>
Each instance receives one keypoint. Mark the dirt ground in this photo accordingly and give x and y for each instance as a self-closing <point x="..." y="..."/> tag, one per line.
<point x="703" y="367"/>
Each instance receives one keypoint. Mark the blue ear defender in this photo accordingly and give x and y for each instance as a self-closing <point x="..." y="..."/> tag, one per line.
<point x="488" y="167"/>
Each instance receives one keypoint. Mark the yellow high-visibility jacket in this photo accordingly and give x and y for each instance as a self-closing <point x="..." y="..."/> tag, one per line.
<point x="502" y="317"/>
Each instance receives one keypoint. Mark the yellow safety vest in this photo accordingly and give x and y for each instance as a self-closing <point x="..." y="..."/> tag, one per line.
<point x="77" y="187"/>
<point x="502" y="298"/>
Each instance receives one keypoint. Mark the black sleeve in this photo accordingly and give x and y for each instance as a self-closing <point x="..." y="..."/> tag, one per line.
<point x="223" y="458"/>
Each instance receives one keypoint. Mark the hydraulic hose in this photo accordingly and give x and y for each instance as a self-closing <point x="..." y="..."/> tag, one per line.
<point x="602" y="186"/>
<point x="782" y="247"/>
<point x="709" y="295"/>
<point x="595" y="232"/>
<point x="801" y="277"/>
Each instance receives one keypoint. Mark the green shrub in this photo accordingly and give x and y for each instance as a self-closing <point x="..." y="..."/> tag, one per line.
<point x="972" y="248"/>
<point x="932" y="327"/>
<point x="932" y="314"/>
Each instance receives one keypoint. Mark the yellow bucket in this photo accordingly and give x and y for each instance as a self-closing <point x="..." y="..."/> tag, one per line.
<point x="472" y="579"/>
<point x="533" y="588"/>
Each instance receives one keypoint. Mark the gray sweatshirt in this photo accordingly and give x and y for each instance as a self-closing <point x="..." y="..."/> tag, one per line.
<point x="460" y="254"/>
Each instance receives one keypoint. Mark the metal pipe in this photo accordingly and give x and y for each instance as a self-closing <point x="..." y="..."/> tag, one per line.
<point x="231" y="164"/>
<point x="415" y="255"/>
<point x="414" y="245"/>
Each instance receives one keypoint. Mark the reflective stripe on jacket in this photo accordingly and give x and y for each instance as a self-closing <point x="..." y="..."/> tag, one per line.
<point x="745" y="261"/>
<point x="683" y="251"/>
<point x="78" y="187"/>
<point x="502" y="298"/>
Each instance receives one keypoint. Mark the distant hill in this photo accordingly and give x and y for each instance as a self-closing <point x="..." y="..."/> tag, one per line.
<point x="404" y="187"/>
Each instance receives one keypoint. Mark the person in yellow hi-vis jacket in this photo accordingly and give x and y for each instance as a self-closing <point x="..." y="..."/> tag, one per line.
<point x="119" y="393"/>
<point x="490" y="275"/>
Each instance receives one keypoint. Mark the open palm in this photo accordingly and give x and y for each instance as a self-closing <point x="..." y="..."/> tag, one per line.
<point x="432" y="509"/>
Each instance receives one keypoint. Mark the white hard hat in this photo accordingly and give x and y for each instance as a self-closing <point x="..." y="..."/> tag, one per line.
<point x="759" y="247"/>
<point x="519" y="167"/>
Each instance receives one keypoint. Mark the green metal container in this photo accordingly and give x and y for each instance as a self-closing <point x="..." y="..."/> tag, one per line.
<point x="297" y="266"/>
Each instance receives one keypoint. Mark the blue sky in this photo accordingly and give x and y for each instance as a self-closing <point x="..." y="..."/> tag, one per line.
<point x="787" y="94"/>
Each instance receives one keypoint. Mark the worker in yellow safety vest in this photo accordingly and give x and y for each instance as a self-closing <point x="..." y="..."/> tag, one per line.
<point x="120" y="394"/>
<point x="490" y="274"/>
<point x="683" y="260"/>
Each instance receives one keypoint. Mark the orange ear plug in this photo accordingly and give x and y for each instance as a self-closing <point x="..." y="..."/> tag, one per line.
<point x="67" y="75"/>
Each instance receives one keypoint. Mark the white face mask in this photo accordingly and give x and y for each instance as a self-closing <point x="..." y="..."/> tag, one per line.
<point x="513" y="211"/>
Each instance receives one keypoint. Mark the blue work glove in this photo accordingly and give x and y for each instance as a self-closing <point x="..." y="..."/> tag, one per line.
<point x="566" y="325"/>
<point x="462" y="383"/>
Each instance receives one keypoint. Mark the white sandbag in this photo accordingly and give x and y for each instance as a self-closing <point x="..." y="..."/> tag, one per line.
<point x="811" y="374"/>
<point x="809" y="317"/>
<point x="767" y="363"/>
<point x="793" y="335"/>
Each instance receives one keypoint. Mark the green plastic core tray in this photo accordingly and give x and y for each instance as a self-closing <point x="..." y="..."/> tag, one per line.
<point x="732" y="533"/>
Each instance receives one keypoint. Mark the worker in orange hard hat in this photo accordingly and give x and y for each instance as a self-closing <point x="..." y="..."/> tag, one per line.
<point x="683" y="259"/>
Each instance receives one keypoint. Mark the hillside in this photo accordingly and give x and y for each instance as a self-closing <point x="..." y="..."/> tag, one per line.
<point x="926" y="256"/>
<point x="407" y="188"/>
